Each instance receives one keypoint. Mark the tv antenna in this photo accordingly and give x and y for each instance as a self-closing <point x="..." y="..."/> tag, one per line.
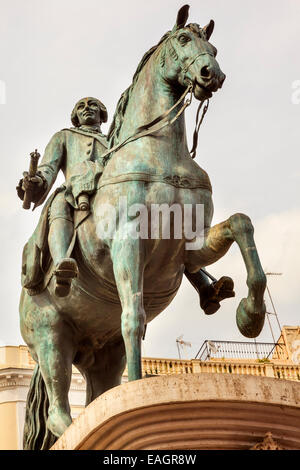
<point x="182" y="344"/>
<point x="273" y="306"/>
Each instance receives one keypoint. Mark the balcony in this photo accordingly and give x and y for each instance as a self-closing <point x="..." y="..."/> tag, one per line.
<point x="261" y="368"/>
<point x="229" y="357"/>
<point x="214" y="349"/>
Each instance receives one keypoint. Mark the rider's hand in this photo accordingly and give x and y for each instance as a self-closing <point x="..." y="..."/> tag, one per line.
<point x="34" y="183"/>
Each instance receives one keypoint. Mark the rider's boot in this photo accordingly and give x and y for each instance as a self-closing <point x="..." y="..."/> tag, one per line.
<point x="211" y="294"/>
<point x="66" y="269"/>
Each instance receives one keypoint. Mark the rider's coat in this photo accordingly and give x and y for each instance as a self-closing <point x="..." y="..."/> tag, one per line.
<point x="78" y="154"/>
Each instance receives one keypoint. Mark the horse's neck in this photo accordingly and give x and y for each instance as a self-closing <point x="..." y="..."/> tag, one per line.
<point x="150" y="98"/>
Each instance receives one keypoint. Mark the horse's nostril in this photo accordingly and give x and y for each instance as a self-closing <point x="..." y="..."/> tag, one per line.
<point x="222" y="78"/>
<point x="205" y="72"/>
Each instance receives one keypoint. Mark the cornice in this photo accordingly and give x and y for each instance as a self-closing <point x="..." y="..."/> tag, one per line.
<point x="13" y="378"/>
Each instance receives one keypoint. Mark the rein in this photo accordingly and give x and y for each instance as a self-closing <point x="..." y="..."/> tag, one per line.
<point x="150" y="128"/>
<point x="197" y="127"/>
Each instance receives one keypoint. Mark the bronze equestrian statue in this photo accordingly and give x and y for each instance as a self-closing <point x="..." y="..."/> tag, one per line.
<point x="87" y="300"/>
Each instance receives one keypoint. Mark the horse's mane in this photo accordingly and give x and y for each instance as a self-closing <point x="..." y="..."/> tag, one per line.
<point x="115" y="127"/>
<point x="116" y="124"/>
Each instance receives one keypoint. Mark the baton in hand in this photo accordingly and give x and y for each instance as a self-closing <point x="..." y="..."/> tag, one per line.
<point x="34" y="158"/>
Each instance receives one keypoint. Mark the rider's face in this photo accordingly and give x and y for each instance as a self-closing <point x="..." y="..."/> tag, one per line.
<point x="88" y="112"/>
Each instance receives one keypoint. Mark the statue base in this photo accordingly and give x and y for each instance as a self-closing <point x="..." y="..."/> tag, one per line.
<point x="197" y="411"/>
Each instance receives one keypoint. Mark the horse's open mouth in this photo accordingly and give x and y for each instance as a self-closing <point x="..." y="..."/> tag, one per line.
<point x="201" y="92"/>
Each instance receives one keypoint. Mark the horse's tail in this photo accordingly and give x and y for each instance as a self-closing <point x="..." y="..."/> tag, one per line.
<point x="36" y="435"/>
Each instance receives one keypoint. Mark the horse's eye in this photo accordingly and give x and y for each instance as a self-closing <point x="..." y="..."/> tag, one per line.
<point x="183" y="39"/>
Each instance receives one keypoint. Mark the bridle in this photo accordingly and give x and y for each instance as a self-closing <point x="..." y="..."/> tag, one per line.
<point x="161" y="121"/>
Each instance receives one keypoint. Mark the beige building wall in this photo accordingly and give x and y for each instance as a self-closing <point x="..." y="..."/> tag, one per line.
<point x="290" y="336"/>
<point x="9" y="426"/>
<point x="16" y="367"/>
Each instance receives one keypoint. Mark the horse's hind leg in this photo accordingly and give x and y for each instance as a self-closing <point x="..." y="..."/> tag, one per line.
<point x="106" y="370"/>
<point x="55" y="350"/>
<point x="238" y="228"/>
<point x="128" y="263"/>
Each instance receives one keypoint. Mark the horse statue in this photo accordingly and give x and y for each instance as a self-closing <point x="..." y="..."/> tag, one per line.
<point x="125" y="282"/>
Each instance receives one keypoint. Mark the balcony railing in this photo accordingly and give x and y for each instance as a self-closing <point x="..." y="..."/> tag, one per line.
<point x="213" y="349"/>
<point x="157" y="366"/>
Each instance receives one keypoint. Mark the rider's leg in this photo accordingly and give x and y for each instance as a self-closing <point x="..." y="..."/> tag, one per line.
<point x="210" y="293"/>
<point x="219" y="238"/>
<point x="60" y="236"/>
<point x="61" y="230"/>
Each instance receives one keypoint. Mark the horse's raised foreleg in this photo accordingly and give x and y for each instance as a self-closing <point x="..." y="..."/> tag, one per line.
<point x="238" y="228"/>
<point x="55" y="351"/>
<point x="128" y="263"/>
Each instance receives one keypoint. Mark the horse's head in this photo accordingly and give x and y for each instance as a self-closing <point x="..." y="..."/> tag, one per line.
<point x="188" y="57"/>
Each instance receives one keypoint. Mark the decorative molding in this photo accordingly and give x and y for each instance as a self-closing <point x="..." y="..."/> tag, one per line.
<point x="12" y="378"/>
<point x="267" y="444"/>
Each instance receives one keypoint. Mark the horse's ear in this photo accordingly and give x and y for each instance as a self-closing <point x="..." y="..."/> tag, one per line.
<point x="208" y="29"/>
<point x="182" y="17"/>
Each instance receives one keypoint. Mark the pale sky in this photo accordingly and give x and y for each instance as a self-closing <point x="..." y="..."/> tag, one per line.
<point x="56" y="52"/>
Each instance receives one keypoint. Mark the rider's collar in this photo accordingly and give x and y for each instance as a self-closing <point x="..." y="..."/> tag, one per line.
<point x="94" y="129"/>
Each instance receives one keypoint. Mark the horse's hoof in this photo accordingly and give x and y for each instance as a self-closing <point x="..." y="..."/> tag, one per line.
<point x="57" y="423"/>
<point x="65" y="271"/>
<point x="250" y="322"/>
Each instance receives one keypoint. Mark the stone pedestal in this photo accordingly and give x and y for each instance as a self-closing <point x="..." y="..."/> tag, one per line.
<point x="193" y="411"/>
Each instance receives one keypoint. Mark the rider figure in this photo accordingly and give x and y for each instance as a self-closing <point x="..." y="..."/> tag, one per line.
<point x="77" y="152"/>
